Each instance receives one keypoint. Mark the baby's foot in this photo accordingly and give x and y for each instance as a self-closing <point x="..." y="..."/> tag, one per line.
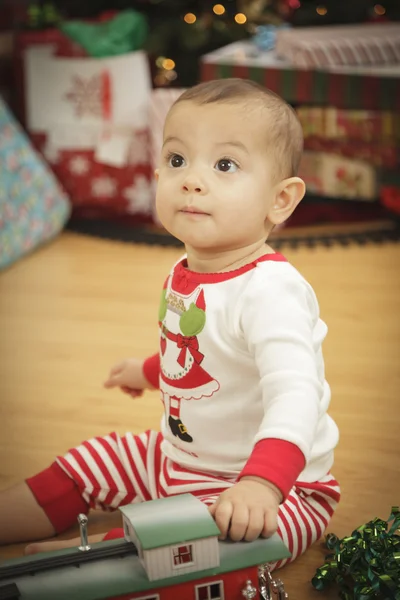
<point x="38" y="547"/>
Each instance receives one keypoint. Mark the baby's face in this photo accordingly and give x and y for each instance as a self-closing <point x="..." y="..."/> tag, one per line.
<point x="215" y="181"/>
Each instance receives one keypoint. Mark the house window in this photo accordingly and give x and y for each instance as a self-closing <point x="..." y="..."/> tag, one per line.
<point x="183" y="555"/>
<point x="210" y="591"/>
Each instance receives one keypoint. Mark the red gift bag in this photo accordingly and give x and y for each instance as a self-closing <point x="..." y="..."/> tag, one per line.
<point x="89" y="118"/>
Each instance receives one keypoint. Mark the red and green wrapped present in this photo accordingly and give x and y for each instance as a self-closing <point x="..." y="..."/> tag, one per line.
<point x="366" y="88"/>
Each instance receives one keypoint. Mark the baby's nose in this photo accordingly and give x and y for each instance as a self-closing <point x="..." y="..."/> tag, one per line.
<point x="193" y="184"/>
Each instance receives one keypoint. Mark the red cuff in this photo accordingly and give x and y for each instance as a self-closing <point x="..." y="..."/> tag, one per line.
<point x="151" y="370"/>
<point x="278" y="461"/>
<point x="114" y="534"/>
<point x="59" y="496"/>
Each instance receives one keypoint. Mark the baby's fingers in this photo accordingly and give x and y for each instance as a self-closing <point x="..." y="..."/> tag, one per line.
<point x="270" y="524"/>
<point x="222" y="513"/>
<point x="114" y="380"/>
<point x="240" y="523"/>
<point x="131" y="392"/>
<point x="256" y="524"/>
<point x="111" y="382"/>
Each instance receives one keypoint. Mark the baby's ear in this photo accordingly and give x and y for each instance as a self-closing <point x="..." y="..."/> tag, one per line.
<point x="288" y="195"/>
<point x="156" y="174"/>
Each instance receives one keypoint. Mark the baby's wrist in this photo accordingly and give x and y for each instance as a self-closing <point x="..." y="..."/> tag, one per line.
<point x="146" y="383"/>
<point x="266" y="483"/>
<point x="135" y="377"/>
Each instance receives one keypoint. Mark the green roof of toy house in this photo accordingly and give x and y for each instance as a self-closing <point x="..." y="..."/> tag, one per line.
<point x="168" y="521"/>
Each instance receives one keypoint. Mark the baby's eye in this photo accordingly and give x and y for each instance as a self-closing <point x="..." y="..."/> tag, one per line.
<point x="226" y="165"/>
<point x="176" y="161"/>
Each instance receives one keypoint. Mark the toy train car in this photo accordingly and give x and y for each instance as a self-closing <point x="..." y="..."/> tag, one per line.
<point x="170" y="551"/>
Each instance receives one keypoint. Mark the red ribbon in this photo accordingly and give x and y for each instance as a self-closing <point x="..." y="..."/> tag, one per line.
<point x="188" y="343"/>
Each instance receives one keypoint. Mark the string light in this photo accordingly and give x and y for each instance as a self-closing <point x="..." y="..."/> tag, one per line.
<point x="159" y="61"/>
<point x="160" y="79"/>
<point x="240" y="18"/>
<point x="219" y="9"/>
<point x="168" y="64"/>
<point x="379" y="9"/>
<point x="171" y="75"/>
<point x="321" y="10"/>
<point x="295" y="4"/>
<point x="190" y="18"/>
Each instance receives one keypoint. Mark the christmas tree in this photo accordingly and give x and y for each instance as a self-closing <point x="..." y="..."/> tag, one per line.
<point x="181" y="31"/>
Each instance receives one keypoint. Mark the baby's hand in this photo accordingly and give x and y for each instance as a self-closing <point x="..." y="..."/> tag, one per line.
<point x="247" y="510"/>
<point x="128" y="375"/>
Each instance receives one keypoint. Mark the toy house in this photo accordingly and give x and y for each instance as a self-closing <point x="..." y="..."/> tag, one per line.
<point x="173" y="536"/>
<point x="170" y="551"/>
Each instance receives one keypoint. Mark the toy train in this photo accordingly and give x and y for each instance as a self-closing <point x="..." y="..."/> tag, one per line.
<point x="170" y="551"/>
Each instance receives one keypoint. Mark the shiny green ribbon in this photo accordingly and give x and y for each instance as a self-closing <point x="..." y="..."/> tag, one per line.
<point x="366" y="564"/>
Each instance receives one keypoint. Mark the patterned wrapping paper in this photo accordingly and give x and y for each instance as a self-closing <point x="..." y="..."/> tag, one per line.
<point x="372" y="136"/>
<point x="33" y="206"/>
<point x="319" y="47"/>
<point x="160" y="102"/>
<point x="331" y="123"/>
<point x="336" y="176"/>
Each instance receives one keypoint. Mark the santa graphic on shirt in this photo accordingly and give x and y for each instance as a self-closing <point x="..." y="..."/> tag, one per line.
<point x="182" y="377"/>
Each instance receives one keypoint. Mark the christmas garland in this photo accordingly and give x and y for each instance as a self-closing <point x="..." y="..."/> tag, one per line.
<point x="366" y="564"/>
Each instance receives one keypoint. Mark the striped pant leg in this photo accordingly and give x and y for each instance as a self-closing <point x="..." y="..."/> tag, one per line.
<point x="175" y="479"/>
<point x="114" y="470"/>
<point x="305" y="514"/>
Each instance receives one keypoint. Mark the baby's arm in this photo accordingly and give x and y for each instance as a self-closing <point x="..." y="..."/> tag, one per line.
<point x="277" y="321"/>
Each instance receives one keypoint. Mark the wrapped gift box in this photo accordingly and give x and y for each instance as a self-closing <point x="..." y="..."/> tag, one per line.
<point x="338" y="177"/>
<point x="378" y="154"/>
<point x="89" y="117"/>
<point x="319" y="47"/>
<point x="33" y="206"/>
<point x="161" y="101"/>
<point x="349" y="87"/>
<point x="332" y="123"/>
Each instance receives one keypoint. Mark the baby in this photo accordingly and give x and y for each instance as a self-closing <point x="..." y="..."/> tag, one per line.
<point x="240" y="367"/>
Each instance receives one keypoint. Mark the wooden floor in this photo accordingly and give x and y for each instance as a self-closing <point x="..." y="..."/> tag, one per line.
<point x="73" y="308"/>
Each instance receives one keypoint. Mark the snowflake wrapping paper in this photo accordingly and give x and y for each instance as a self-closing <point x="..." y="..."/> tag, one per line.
<point x="89" y="118"/>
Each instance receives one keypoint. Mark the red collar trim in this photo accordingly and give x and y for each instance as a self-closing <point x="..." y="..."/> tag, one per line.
<point x="182" y="271"/>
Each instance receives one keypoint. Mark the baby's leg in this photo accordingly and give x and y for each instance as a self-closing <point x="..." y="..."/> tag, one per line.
<point x="305" y="514"/>
<point x="103" y="473"/>
<point x="37" y="547"/>
<point x="21" y="517"/>
<point x="43" y="505"/>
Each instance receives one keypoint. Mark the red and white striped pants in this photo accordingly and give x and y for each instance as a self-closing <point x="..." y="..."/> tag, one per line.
<point x="115" y="470"/>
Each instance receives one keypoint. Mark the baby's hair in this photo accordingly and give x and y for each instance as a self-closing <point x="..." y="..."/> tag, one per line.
<point x="285" y="135"/>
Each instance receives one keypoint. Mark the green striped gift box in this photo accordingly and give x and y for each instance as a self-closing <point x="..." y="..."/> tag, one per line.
<point x="361" y="89"/>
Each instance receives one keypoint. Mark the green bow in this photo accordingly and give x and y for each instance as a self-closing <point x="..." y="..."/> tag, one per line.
<point x="366" y="564"/>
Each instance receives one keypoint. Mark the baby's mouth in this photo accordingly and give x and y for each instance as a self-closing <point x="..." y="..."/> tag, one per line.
<point x="191" y="210"/>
